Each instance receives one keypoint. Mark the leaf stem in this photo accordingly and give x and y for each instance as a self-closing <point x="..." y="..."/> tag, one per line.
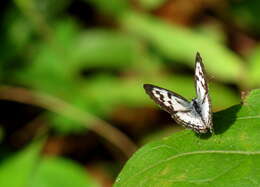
<point x="59" y="106"/>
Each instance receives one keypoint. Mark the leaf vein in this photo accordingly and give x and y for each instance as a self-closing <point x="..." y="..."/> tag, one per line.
<point x="249" y="117"/>
<point x="194" y="153"/>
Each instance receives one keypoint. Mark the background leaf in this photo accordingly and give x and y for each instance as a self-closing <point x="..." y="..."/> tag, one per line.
<point x="151" y="4"/>
<point x="230" y="157"/>
<point x="54" y="171"/>
<point x="254" y="67"/>
<point x="180" y="44"/>
<point x="16" y="170"/>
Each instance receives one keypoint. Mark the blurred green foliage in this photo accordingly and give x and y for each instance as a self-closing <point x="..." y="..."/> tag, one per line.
<point x="246" y="14"/>
<point x="151" y="4"/>
<point x="179" y="44"/>
<point x="52" y="172"/>
<point x="27" y="168"/>
<point x="95" y="55"/>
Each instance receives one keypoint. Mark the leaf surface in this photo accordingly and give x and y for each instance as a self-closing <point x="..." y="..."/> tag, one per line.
<point x="230" y="157"/>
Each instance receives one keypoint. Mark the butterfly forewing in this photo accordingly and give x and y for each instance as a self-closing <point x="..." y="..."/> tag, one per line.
<point x="168" y="100"/>
<point x="180" y="109"/>
<point x="203" y="98"/>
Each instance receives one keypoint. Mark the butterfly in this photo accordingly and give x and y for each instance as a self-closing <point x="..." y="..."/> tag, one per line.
<point x="195" y="114"/>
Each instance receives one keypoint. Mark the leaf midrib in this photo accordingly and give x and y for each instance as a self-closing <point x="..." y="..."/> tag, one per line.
<point x="249" y="117"/>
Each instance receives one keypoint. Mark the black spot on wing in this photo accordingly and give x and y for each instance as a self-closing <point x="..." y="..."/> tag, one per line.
<point x="149" y="88"/>
<point x="197" y="107"/>
<point x="169" y="95"/>
<point x="205" y="96"/>
<point x="205" y="86"/>
<point x="161" y="97"/>
<point x="186" y="123"/>
<point x="201" y="72"/>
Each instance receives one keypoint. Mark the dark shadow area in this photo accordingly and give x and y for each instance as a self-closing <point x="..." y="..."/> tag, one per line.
<point x="204" y="136"/>
<point x="224" y="119"/>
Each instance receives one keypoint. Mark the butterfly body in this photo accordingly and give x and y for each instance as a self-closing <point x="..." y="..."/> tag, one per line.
<point x="196" y="106"/>
<point x="195" y="115"/>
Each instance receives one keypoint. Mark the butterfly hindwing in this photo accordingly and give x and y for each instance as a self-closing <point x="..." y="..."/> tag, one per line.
<point x="203" y="98"/>
<point x="190" y="120"/>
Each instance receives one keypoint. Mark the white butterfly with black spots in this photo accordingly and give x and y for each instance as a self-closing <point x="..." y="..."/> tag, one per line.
<point x="195" y="115"/>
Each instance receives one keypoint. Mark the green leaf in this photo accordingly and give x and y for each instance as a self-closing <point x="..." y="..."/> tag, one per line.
<point x="56" y="64"/>
<point x="104" y="49"/>
<point x="16" y="170"/>
<point x="229" y="157"/>
<point x="49" y="9"/>
<point x="181" y="44"/>
<point x="51" y="64"/>
<point x="253" y="78"/>
<point x="54" y="172"/>
<point x="151" y="4"/>
<point x="112" y="7"/>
